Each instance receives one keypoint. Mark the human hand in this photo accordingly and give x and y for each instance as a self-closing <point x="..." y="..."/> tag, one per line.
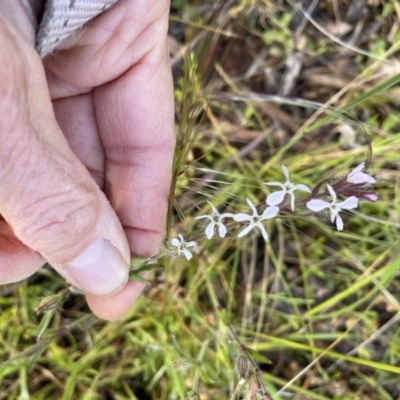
<point x="86" y="152"/>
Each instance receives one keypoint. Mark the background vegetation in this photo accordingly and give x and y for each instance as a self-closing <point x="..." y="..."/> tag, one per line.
<point x="313" y="313"/>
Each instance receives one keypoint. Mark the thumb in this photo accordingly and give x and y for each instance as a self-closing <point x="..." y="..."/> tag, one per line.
<point x="47" y="196"/>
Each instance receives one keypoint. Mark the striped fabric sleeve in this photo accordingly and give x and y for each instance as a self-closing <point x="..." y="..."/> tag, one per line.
<point x="62" y="18"/>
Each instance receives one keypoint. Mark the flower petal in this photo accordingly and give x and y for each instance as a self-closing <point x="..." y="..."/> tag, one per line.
<point x="241" y="217"/>
<point x="370" y="196"/>
<point x="317" y="205"/>
<point x="263" y="231"/>
<point x="339" y="223"/>
<point x="226" y="215"/>
<point x="349" y="203"/>
<point x="368" y="178"/>
<point x="274" y="184"/>
<point x="190" y="244"/>
<point x="360" y="177"/>
<point x="285" y="172"/>
<point x="359" y="168"/>
<point x="245" y="231"/>
<point x="187" y="254"/>
<point x="181" y="239"/>
<point x="212" y="207"/>
<point x="203" y="216"/>
<point x="222" y="230"/>
<point x="300" y="186"/>
<point x="276" y="198"/>
<point x="252" y="206"/>
<point x="209" y="232"/>
<point x="175" y="242"/>
<point x="270" y="212"/>
<point x="332" y="192"/>
<point x="292" y="201"/>
<point x="334" y="215"/>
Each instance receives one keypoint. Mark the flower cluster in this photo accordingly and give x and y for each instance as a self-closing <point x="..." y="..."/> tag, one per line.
<point x="216" y="225"/>
<point x="349" y="190"/>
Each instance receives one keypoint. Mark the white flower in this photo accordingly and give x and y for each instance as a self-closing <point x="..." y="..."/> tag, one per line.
<point x="287" y="188"/>
<point x="216" y="221"/>
<point x="255" y="219"/>
<point x="182" y="246"/>
<point x="357" y="176"/>
<point x="319" y="205"/>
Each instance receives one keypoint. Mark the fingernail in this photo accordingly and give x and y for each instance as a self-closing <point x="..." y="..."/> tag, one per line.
<point x="100" y="269"/>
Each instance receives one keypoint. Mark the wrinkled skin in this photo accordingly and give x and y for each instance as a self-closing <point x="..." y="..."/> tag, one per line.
<point x="86" y="143"/>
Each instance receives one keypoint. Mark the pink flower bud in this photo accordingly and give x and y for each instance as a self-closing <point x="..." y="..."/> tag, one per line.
<point x="356" y="176"/>
<point x="370" y="197"/>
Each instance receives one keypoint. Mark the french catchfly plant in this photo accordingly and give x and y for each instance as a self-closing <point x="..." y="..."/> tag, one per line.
<point x="330" y="195"/>
<point x="216" y="225"/>
<point x="182" y="246"/>
<point x="288" y="188"/>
